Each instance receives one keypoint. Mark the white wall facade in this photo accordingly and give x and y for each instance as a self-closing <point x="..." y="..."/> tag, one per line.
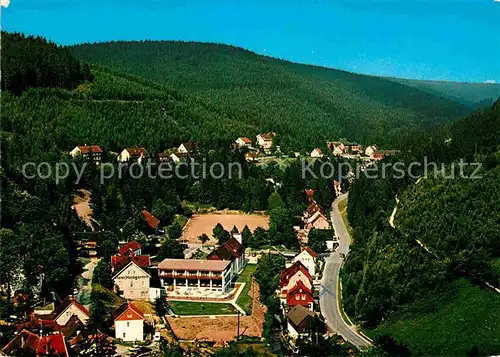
<point x="130" y="330"/>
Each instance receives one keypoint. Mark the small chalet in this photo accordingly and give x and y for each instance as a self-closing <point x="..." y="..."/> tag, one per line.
<point x="308" y="258"/>
<point x="316" y="153"/>
<point x="189" y="147"/>
<point x="88" y="152"/>
<point x="129" y="323"/>
<point x="151" y="220"/>
<point x="318" y="221"/>
<point x="129" y="154"/>
<point x="300" y="295"/>
<point x="68" y="308"/>
<point x="291" y="275"/>
<point x="233" y="251"/>
<point x="265" y="140"/>
<point x="26" y="343"/>
<point x="336" y="147"/>
<point x="243" y="142"/>
<point x="299" y="319"/>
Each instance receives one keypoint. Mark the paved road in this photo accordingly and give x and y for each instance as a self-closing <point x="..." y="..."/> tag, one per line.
<point x="328" y="295"/>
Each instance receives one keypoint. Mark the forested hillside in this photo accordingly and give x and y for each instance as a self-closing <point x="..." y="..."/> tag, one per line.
<point x="303" y="104"/>
<point x="474" y="95"/>
<point x="411" y="280"/>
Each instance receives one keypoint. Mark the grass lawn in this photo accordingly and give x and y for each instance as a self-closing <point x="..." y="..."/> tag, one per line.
<point x="448" y="324"/>
<point x="343" y="213"/>
<point x="201" y="308"/>
<point x="495" y="263"/>
<point x="244" y="299"/>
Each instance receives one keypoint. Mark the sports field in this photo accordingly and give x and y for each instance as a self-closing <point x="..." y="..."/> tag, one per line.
<point x="205" y="223"/>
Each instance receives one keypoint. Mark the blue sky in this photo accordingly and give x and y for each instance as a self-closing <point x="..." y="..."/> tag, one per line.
<point x="425" y="39"/>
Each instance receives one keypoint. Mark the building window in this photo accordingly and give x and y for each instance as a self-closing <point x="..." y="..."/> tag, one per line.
<point x="128" y="324"/>
<point x="297" y="297"/>
<point x="131" y="284"/>
<point x="303" y="297"/>
<point x="124" y="335"/>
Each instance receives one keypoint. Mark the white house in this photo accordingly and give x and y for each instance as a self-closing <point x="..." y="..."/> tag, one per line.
<point x="68" y="308"/>
<point x="370" y="150"/>
<point x="308" y="258"/>
<point x="188" y="147"/>
<point x="129" y="323"/>
<point x="265" y="140"/>
<point x="132" y="153"/>
<point x="91" y="152"/>
<point x="243" y="142"/>
<point x="132" y="280"/>
<point x="317" y="153"/>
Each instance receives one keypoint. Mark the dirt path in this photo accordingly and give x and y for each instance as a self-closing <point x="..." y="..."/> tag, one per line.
<point x="81" y="204"/>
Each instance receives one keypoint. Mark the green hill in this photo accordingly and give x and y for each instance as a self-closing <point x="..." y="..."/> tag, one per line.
<point x="304" y="104"/>
<point x="473" y="95"/>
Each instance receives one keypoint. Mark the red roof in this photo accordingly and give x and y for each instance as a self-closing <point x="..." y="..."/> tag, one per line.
<point x="52" y="345"/>
<point x="304" y="294"/>
<point x="246" y="140"/>
<point x="310" y="251"/>
<point x="85" y="149"/>
<point x="136" y="151"/>
<point x="119" y="262"/>
<point x="309" y="193"/>
<point x="152" y="221"/>
<point x="131" y="246"/>
<point x="69" y="300"/>
<point x="230" y="250"/>
<point x="128" y="311"/>
<point x="23" y="341"/>
<point x="291" y="271"/>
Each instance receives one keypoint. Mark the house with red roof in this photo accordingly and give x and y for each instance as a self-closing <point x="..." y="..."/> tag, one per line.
<point x="318" y="220"/>
<point x="233" y="251"/>
<point x="129" y="154"/>
<point x="129" y="323"/>
<point x="308" y="258"/>
<point x="300" y="295"/>
<point x="88" y="152"/>
<point x="151" y="220"/>
<point x="26" y="343"/>
<point x="243" y="142"/>
<point x="131" y="276"/>
<point x="316" y="153"/>
<point x="68" y="308"/>
<point x="293" y="274"/>
<point x="132" y="246"/>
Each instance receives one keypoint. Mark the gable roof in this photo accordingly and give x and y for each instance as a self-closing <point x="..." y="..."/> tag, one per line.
<point x="299" y="285"/>
<point x="289" y="272"/>
<point x="69" y="300"/>
<point x="136" y="313"/>
<point x="72" y="326"/>
<point x="267" y="136"/>
<point x="141" y="261"/>
<point x="85" y="149"/>
<point x="301" y="289"/>
<point x="229" y="250"/>
<point x="298" y="315"/>
<point x="245" y="140"/>
<point x="151" y="220"/>
<point x="310" y="251"/>
<point x="128" y="247"/>
<point x="25" y="341"/>
<point x="313" y="208"/>
<point x="316" y="215"/>
<point x="52" y="345"/>
<point x="136" y="151"/>
<point x="318" y="150"/>
<point x="190" y="145"/>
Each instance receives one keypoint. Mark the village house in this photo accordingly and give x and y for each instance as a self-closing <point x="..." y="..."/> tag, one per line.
<point x="68" y="308"/>
<point x="316" y="153"/>
<point x="195" y="275"/>
<point x="87" y="249"/>
<point x="88" y="152"/>
<point x="249" y="157"/>
<point x="336" y="147"/>
<point x="188" y="148"/>
<point x="291" y="275"/>
<point x="233" y="251"/>
<point x="243" y="142"/>
<point x="129" y="154"/>
<point x="265" y="140"/>
<point x="130" y="247"/>
<point x="130" y="275"/>
<point x="26" y="343"/>
<point x="370" y="150"/>
<point x="298" y="321"/>
<point x="318" y="221"/>
<point x="129" y="323"/>
<point x="163" y="157"/>
<point x="300" y="295"/>
<point x="308" y="258"/>
<point x="151" y="220"/>
<point x="355" y="148"/>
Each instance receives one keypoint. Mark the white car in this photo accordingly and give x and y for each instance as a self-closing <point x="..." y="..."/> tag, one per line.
<point x="157" y="337"/>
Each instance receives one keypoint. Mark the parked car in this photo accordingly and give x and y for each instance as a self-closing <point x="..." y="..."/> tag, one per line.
<point x="157" y="337"/>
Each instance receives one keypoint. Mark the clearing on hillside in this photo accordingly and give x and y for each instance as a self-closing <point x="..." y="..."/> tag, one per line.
<point x="81" y="204"/>
<point x="205" y="223"/>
